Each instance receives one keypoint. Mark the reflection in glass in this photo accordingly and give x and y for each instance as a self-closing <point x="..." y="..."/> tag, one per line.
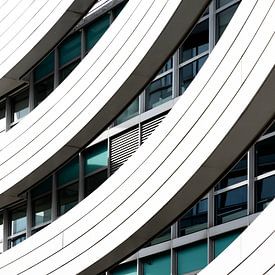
<point x="157" y="264"/>
<point x="18" y="220"/>
<point x="188" y="73"/>
<point x="168" y="65"/>
<point x="64" y="72"/>
<point x="231" y="205"/>
<point x="45" y="68"/>
<point x="163" y="236"/>
<point x="221" y="3"/>
<point x="159" y="91"/>
<point x="196" y="43"/>
<point x="223" y="18"/>
<point x="2" y="116"/>
<point x="264" y="192"/>
<point x="237" y="174"/>
<point x="42" y="89"/>
<point x="17" y="240"/>
<point x="41" y="210"/>
<point x="265" y="156"/>
<point x="195" y="219"/>
<point x="67" y="198"/>
<point x="270" y="129"/>
<point x="20" y="105"/>
<point x="94" y="181"/>
<point x="131" y="111"/>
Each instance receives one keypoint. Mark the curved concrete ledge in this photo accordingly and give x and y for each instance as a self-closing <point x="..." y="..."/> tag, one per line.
<point x="204" y="133"/>
<point x="252" y="252"/>
<point x="31" y="28"/>
<point x="117" y="68"/>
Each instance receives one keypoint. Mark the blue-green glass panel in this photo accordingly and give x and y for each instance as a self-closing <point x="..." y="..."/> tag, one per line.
<point x="125" y="269"/>
<point x="18" y="220"/>
<point x="68" y="173"/>
<point x="157" y="265"/>
<point x="96" y="29"/>
<point x="67" y="198"/>
<point x="192" y="257"/>
<point x="42" y="188"/>
<point x="45" y="67"/>
<point x="222" y="242"/>
<point x="70" y="48"/>
<point x="131" y="111"/>
<point x="96" y="158"/>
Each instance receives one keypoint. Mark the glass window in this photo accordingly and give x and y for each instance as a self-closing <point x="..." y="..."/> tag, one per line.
<point x="237" y="174"/>
<point x="18" y="220"/>
<point x="196" y="43"/>
<point x="223" y="18"/>
<point x="195" y="219"/>
<point x="125" y="269"/>
<point x="270" y="129"/>
<point x="42" y="89"/>
<point x="264" y="192"/>
<point x="223" y="241"/>
<point x="41" y="210"/>
<point x="67" y="70"/>
<point x="2" y="116"/>
<point x="131" y="111"/>
<point x="68" y="173"/>
<point x="20" y="105"/>
<point x="96" y="158"/>
<point x="168" y="65"/>
<point x="163" y="236"/>
<point x="45" y="68"/>
<point x="67" y="198"/>
<point x="96" y="29"/>
<point x="159" y="91"/>
<point x="265" y="156"/>
<point x="1" y="233"/>
<point x="157" y="264"/>
<point x="94" y="181"/>
<point x="221" y="3"/>
<point x="42" y="188"/>
<point x="192" y="257"/>
<point x="188" y="73"/>
<point x="231" y="205"/>
<point x="70" y="49"/>
<point x="15" y="241"/>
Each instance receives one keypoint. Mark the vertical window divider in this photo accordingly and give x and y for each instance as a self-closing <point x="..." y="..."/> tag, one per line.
<point x="175" y="75"/>
<point x="5" y="229"/>
<point x="212" y="25"/>
<point x="210" y="248"/>
<point x="109" y="155"/>
<point x="29" y="214"/>
<point x="54" y="197"/>
<point x="174" y="261"/>
<point x="81" y="177"/>
<point x="142" y="102"/>
<point x="31" y="91"/>
<point x="8" y="113"/>
<point x="139" y="266"/>
<point x="251" y="181"/>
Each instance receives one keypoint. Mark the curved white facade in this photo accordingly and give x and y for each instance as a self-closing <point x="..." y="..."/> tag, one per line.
<point x="29" y="29"/>
<point x="203" y="134"/>
<point x="86" y="102"/>
<point x="148" y="192"/>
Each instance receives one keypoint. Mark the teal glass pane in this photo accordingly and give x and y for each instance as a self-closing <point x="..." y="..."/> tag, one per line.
<point x="157" y="265"/>
<point x="67" y="70"/>
<point x="96" y="29"/>
<point x="68" y="173"/>
<point x="46" y="67"/>
<point x="131" y="111"/>
<point x="67" y="198"/>
<point x="70" y="49"/>
<point x="41" y="210"/>
<point x="125" y="269"/>
<point x="163" y="236"/>
<point x="223" y="241"/>
<point x="42" y="188"/>
<point x="96" y="158"/>
<point x="94" y="181"/>
<point x="192" y="257"/>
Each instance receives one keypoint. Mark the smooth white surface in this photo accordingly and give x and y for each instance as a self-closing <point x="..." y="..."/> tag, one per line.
<point x="177" y="164"/>
<point x="29" y="29"/>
